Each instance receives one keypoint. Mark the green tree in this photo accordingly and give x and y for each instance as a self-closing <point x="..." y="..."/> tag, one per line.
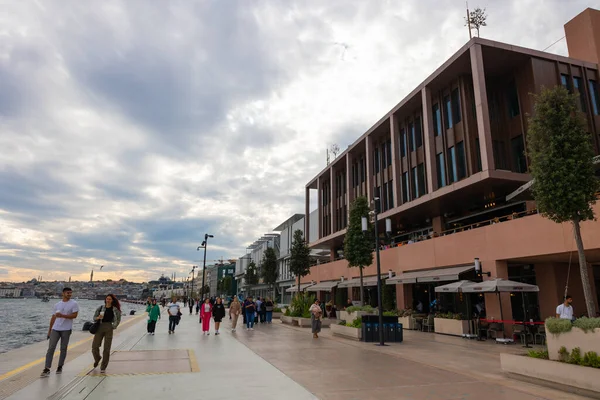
<point x="251" y="275"/>
<point x="476" y="19"/>
<point x="225" y="285"/>
<point x="270" y="270"/>
<point x="358" y="245"/>
<point x="561" y="155"/>
<point x="299" y="257"/>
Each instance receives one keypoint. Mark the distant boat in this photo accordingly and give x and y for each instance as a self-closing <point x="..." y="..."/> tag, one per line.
<point x="45" y="299"/>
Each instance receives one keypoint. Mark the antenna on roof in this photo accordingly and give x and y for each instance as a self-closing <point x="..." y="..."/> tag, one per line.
<point x="468" y="21"/>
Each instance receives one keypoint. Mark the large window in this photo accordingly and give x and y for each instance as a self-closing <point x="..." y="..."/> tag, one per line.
<point x="518" y="154"/>
<point x="411" y="129"/>
<point x="578" y="83"/>
<point x="441" y="170"/>
<point x="421" y="187"/>
<point x="456" y="106"/>
<point x="513" y="100"/>
<point x="453" y="174"/>
<point x="389" y="152"/>
<point x="405" y="188"/>
<point x="594" y="96"/>
<point x="391" y="193"/>
<point x="448" y="112"/>
<point x="437" y="120"/>
<point x="376" y="161"/>
<point x="499" y="154"/>
<point x="403" y="143"/>
<point x="478" y="153"/>
<point x="414" y="184"/>
<point x="418" y="133"/>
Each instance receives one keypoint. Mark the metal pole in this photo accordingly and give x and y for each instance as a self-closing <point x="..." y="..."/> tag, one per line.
<point x="193" y="268"/>
<point x="378" y="278"/>
<point x="204" y="265"/>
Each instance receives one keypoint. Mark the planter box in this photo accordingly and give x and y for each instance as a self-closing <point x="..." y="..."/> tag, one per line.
<point x="277" y="315"/>
<point x="575" y="338"/>
<point x="562" y="376"/>
<point x="407" y="323"/>
<point x="287" y="320"/>
<point x="450" y="326"/>
<point x="349" y="317"/>
<point x="346" y="332"/>
<point x="307" y="322"/>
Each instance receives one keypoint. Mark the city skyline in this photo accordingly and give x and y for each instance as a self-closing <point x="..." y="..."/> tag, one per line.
<point x="131" y="131"/>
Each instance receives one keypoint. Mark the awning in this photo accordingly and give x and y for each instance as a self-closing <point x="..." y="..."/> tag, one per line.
<point x="432" y="275"/>
<point x="323" y="286"/>
<point x="355" y="282"/>
<point x="303" y="286"/>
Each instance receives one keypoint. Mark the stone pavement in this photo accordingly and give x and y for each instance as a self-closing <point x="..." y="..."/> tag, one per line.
<point x="277" y="361"/>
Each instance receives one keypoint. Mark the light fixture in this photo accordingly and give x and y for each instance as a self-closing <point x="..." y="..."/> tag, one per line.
<point x="365" y="224"/>
<point x="478" y="270"/>
<point x="390" y="273"/>
<point x="388" y="226"/>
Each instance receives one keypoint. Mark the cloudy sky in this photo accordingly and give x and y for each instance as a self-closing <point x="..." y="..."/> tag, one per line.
<point x="128" y="129"/>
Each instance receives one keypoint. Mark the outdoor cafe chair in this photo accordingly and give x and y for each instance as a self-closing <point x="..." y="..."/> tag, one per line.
<point x="427" y="323"/>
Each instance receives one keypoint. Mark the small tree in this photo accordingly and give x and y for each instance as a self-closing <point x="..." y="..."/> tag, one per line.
<point x="358" y="245"/>
<point x="476" y="19"/>
<point x="251" y="275"/>
<point x="561" y="154"/>
<point x="299" y="257"/>
<point x="226" y="282"/>
<point x="270" y="270"/>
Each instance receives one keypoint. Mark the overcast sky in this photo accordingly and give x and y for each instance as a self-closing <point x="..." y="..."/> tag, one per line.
<point x="128" y="129"/>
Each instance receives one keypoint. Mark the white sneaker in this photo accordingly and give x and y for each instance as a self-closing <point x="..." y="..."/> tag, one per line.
<point x="251" y="329"/>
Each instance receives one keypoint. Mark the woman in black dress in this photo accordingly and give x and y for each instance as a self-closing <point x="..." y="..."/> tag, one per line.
<point x="218" y="314"/>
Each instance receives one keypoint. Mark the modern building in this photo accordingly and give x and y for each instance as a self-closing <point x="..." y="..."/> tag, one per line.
<point x="214" y="273"/>
<point x="255" y="254"/>
<point x="446" y="162"/>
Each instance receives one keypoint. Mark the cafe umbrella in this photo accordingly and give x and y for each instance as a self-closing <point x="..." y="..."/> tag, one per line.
<point x="457" y="287"/>
<point x="498" y="286"/>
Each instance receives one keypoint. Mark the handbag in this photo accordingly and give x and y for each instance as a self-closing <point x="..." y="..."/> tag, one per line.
<point x="94" y="328"/>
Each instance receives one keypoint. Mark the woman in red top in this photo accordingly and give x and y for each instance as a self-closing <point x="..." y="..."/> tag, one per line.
<point x="206" y="314"/>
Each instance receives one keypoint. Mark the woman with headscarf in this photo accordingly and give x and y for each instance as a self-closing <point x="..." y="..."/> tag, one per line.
<point x="109" y="316"/>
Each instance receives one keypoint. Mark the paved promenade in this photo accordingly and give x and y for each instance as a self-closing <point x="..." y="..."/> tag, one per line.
<point x="276" y="362"/>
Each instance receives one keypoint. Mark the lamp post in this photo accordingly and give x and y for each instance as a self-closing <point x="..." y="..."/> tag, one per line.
<point x="192" y="271"/>
<point x="204" y="245"/>
<point x="365" y="228"/>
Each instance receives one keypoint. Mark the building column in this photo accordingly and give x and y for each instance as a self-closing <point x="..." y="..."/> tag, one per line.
<point x="437" y="224"/>
<point x="404" y="296"/>
<point x="320" y="208"/>
<point x="333" y="200"/>
<point x="481" y="109"/>
<point x="332" y="253"/>
<point x="306" y="215"/>
<point x="349" y="188"/>
<point x="550" y="294"/>
<point x="499" y="269"/>
<point x="394" y="133"/>
<point x="369" y="167"/>
<point x="429" y="140"/>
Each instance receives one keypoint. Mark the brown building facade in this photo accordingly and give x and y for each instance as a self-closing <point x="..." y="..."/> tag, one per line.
<point x="442" y="163"/>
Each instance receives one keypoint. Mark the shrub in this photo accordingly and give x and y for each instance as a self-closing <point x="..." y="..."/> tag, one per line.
<point x="556" y="326"/>
<point x="301" y="304"/>
<point x="563" y="354"/>
<point x="587" y="324"/>
<point x="288" y="312"/>
<point x="342" y="322"/>
<point x="575" y="357"/>
<point x="449" y="315"/>
<point x="543" y="354"/>
<point x="277" y="309"/>
<point x="357" y="323"/>
<point x="393" y="313"/>
<point x="406" y="312"/>
<point x="367" y="309"/>
<point x="591" y="359"/>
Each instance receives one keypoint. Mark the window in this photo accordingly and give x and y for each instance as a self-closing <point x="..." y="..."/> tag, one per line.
<point x="403" y="144"/>
<point x="411" y="128"/>
<point x="565" y="80"/>
<point x="437" y="120"/>
<point x="441" y="170"/>
<point x="418" y="133"/>
<point x="363" y="171"/>
<point x="414" y="184"/>
<point x="456" y="106"/>
<point x="376" y="162"/>
<point x="420" y="180"/>
<point x="389" y="152"/>
<point x="518" y="154"/>
<point x="461" y="166"/>
<point x="391" y="193"/>
<point x="478" y="153"/>
<point x="579" y="87"/>
<point x="452" y="165"/>
<point x="405" y="188"/>
<point x="594" y="96"/>
<point x="499" y="154"/>
<point x="448" y="111"/>
<point x="513" y="100"/>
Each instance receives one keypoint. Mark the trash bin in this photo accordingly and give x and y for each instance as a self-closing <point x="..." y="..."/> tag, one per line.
<point x="399" y="333"/>
<point x="390" y="330"/>
<point x="367" y="332"/>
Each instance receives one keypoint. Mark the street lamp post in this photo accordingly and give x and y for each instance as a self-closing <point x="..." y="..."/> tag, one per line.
<point x="379" y="288"/>
<point x="192" y="271"/>
<point x="204" y="245"/>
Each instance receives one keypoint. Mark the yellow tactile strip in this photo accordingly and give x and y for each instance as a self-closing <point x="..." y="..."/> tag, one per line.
<point x="149" y="362"/>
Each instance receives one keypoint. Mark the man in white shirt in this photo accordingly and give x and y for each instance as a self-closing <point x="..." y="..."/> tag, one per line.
<point x="61" y="325"/>
<point x="173" y="309"/>
<point x="565" y="310"/>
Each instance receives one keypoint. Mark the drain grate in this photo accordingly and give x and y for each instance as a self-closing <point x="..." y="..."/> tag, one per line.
<point x="150" y="362"/>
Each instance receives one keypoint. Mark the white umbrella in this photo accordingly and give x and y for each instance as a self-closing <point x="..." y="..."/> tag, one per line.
<point x="454" y="287"/>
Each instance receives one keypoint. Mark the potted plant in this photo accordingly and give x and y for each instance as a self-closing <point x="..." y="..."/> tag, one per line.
<point x="352" y="330"/>
<point x="406" y="319"/>
<point x="451" y="324"/>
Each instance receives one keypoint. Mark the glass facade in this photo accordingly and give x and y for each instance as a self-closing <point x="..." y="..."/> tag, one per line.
<point x="437" y="120"/>
<point x="441" y="170"/>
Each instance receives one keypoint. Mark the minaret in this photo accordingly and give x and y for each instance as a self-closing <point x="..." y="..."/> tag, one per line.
<point x="92" y="276"/>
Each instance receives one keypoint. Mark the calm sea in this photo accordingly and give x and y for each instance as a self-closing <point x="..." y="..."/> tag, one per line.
<point x="25" y="321"/>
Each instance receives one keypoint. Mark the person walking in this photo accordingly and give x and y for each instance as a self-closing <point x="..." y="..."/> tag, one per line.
<point x="61" y="326"/>
<point x="250" y="310"/>
<point x="174" y="311"/>
<point x="197" y="305"/>
<point x="235" y="309"/>
<point x="218" y="314"/>
<point x="244" y="310"/>
<point x="259" y="310"/>
<point x="205" y="314"/>
<point x="565" y="310"/>
<point x="269" y="310"/>
<point x="153" y="311"/>
<point x="191" y="304"/>
<point x="109" y="316"/>
<point x="315" y="318"/>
